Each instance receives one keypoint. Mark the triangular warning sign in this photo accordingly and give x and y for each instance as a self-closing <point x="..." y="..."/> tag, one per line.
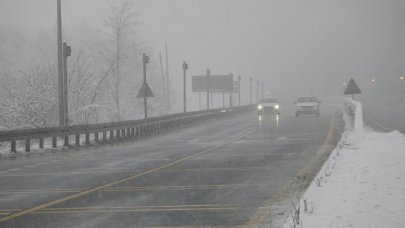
<point x="145" y="91"/>
<point x="352" y="88"/>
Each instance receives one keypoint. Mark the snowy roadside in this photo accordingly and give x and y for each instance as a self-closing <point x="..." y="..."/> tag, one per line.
<point x="360" y="185"/>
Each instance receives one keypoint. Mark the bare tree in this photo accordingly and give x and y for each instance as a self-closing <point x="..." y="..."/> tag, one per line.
<point x="85" y="86"/>
<point x="120" y="26"/>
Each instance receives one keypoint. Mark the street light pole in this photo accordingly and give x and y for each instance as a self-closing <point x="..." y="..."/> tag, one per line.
<point x="257" y="91"/>
<point x="250" y="79"/>
<point x="239" y="78"/>
<point x="185" y="67"/>
<point x="230" y="92"/>
<point x="208" y="73"/>
<point x="67" y="51"/>
<point x="60" y="64"/>
<point x="145" y="104"/>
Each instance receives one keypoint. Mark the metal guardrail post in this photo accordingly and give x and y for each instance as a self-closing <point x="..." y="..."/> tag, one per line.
<point x="87" y="138"/>
<point x="28" y="145"/>
<point x="104" y="136"/>
<point x="137" y="130"/>
<point x="117" y="134"/>
<point x="54" y="142"/>
<point x="77" y="139"/>
<point x="111" y="135"/>
<point x="13" y="146"/>
<point x="66" y="140"/>
<point x="41" y="143"/>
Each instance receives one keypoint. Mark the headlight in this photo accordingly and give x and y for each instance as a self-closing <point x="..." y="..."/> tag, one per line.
<point x="299" y="107"/>
<point x="315" y="107"/>
<point x="276" y="106"/>
<point x="259" y="107"/>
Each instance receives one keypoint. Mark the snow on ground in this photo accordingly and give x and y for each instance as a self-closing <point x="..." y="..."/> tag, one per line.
<point x="361" y="185"/>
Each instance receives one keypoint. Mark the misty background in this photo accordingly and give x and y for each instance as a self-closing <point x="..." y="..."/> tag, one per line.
<point x="295" y="47"/>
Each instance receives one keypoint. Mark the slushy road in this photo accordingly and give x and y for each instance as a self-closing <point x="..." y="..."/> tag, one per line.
<point x="226" y="172"/>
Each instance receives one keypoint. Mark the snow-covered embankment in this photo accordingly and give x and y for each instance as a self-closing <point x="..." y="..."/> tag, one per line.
<point x="362" y="184"/>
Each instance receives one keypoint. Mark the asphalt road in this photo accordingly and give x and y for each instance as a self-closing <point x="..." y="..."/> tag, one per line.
<point x="227" y="172"/>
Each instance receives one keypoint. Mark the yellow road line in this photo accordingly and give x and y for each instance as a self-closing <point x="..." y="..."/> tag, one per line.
<point x="61" y="200"/>
<point x="215" y="169"/>
<point x="69" y="173"/>
<point x="124" y="189"/>
<point x="204" y="226"/>
<point x="38" y="191"/>
<point x="107" y="172"/>
<point x="138" y="209"/>
<point x="191" y="187"/>
<point x="265" y="209"/>
<point x="130" y="189"/>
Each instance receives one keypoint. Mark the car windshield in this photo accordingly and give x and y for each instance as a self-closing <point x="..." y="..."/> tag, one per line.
<point x="268" y="100"/>
<point x="307" y="99"/>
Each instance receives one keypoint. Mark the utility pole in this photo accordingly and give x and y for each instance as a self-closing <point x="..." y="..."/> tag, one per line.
<point x="257" y="91"/>
<point x="163" y="82"/>
<point x="239" y="78"/>
<point x="185" y="67"/>
<point x="230" y="92"/>
<point x="145" y="104"/>
<point x="60" y="64"/>
<point x="168" y="77"/>
<point x="67" y="51"/>
<point x="250" y="79"/>
<point x="208" y="73"/>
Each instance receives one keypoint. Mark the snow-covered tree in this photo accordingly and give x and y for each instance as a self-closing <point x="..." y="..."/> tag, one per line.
<point x="29" y="100"/>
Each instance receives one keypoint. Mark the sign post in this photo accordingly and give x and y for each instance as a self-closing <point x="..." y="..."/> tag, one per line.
<point x="185" y="67"/>
<point x="145" y="90"/>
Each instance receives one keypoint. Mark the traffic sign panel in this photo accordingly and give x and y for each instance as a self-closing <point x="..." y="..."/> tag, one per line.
<point x="352" y="88"/>
<point x="145" y="91"/>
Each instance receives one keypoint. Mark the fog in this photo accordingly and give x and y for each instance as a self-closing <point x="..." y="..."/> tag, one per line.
<point x="295" y="47"/>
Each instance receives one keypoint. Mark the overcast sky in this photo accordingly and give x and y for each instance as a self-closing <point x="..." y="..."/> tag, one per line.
<point x="313" y="44"/>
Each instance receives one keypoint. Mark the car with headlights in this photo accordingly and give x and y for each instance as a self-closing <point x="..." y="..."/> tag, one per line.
<point x="268" y="105"/>
<point x="307" y="106"/>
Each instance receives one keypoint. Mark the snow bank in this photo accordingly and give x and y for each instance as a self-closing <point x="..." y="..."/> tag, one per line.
<point x="358" y="118"/>
<point x="360" y="185"/>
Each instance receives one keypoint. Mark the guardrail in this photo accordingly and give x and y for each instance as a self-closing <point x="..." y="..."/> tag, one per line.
<point x="117" y="130"/>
